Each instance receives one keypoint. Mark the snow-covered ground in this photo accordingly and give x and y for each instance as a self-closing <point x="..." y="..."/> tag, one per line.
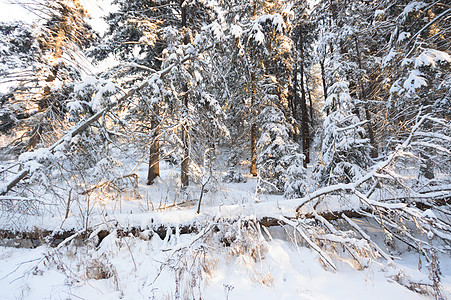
<point x="276" y="264"/>
<point x="140" y="269"/>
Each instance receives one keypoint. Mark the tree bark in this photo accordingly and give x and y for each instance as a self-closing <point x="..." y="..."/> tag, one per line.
<point x="52" y="238"/>
<point x="295" y="90"/>
<point x="185" y="162"/>
<point x="305" y="120"/>
<point x="254" y="149"/>
<point x="185" y="128"/>
<point x="253" y="132"/>
<point x="323" y="77"/>
<point x="374" y="149"/>
<point x="154" y="156"/>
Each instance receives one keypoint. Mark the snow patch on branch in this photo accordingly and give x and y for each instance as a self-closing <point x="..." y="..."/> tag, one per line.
<point x="414" y="82"/>
<point x="431" y="57"/>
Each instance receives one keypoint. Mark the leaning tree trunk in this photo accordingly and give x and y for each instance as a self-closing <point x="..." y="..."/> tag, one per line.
<point x="323" y="77"/>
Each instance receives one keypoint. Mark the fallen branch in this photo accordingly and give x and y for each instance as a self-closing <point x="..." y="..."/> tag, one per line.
<point x="315" y="247"/>
<point x="367" y="237"/>
<point x="106" y="184"/>
<point x="12" y="183"/>
<point x="375" y="171"/>
<point x="350" y="244"/>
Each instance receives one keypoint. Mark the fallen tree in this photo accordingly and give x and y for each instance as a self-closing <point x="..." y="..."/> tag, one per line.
<point x="315" y="232"/>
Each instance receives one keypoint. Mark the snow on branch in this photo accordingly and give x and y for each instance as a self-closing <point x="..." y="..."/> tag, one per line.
<point x="82" y="126"/>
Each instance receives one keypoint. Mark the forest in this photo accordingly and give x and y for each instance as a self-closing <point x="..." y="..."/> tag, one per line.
<point x="225" y="149"/>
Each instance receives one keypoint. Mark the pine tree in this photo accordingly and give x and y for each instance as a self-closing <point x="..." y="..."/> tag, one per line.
<point x="154" y="43"/>
<point x="345" y="149"/>
<point x="416" y="68"/>
<point x="280" y="160"/>
<point x="344" y="56"/>
<point x="303" y="37"/>
<point x="262" y="61"/>
<point x="19" y="59"/>
<point x="53" y="65"/>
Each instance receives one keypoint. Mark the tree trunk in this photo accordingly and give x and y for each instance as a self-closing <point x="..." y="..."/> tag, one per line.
<point x="310" y="100"/>
<point x="295" y="90"/>
<point x="185" y="162"/>
<point x="363" y="100"/>
<point x="374" y="149"/>
<point x="154" y="156"/>
<point x="323" y="77"/>
<point x="304" y="121"/>
<point x="254" y="149"/>
<point x="185" y="128"/>
<point x="253" y="132"/>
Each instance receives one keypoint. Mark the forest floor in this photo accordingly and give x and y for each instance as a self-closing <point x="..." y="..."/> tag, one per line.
<point x="194" y="265"/>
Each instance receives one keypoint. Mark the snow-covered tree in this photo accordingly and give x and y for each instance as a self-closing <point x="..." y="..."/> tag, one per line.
<point x="19" y="59"/>
<point x="280" y="162"/>
<point x="345" y="148"/>
<point x="261" y="62"/>
<point x="165" y="108"/>
<point x="413" y="74"/>
<point x="50" y="55"/>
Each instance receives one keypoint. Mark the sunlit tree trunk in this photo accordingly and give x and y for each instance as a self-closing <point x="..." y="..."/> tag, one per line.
<point x="154" y="155"/>
<point x="253" y="133"/>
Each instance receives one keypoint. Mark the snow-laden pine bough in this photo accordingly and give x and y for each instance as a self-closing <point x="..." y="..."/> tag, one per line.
<point x="76" y="130"/>
<point x="416" y="217"/>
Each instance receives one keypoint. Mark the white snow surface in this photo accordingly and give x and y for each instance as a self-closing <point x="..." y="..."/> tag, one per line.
<point x="411" y="7"/>
<point x="389" y="57"/>
<point x="14" y="12"/>
<point x="236" y="31"/>
<point x="402" y="36"/>
<point x="283" y="272"/>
